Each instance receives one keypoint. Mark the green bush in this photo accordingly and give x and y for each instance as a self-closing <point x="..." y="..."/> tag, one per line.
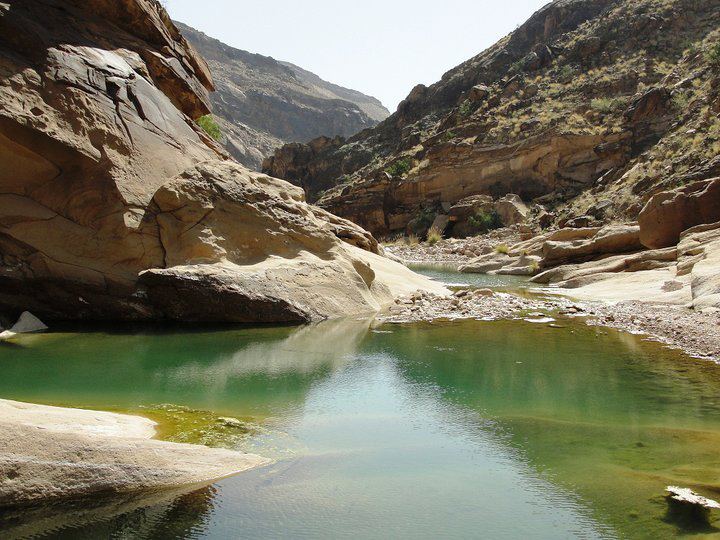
<point x="502" y="248"/>
<point x="566" y="72"/>
<point x="465" y="108"/>
<point x="484" y="221"/>
<point x="607" y="105"/>
<point x="714" y="55"/>
<point x="399" y="168"/>
<point x="447" y="136"/>
<point x="680" y="101"/>
<point x="210" y="126"/>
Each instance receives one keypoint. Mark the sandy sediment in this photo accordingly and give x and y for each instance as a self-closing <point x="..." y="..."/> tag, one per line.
<point x="50" y="453"/>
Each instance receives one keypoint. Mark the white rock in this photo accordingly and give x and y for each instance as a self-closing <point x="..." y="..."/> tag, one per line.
<point x="28" y="323"/>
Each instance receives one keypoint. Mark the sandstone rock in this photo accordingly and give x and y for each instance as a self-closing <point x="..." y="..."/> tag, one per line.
<point x="49" y="453"/>
<point x="579" y="222"/>
<point x="652" y="103"/>
<point x="461" y="212"/>
<point x="486" y="263"/>
<point x="512" y="210"/>
<point x="699" y="257"/>
<point x="609" y="240"/>
<point x="479" y="92"/>
<point x="115" y="205"/>
<point x="668" y="214"/>
<point x="440" y="224"/>
<point x="469" y="206"/>
<point x="646" y="260"/>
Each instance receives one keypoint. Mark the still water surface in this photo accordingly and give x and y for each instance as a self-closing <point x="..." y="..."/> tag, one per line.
<point x="470" y="429"/>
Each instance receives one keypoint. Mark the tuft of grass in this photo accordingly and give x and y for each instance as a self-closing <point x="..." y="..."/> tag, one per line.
<point x="433" y="236"/>
<point x="713" y="55"/>
<point x="399" y="168"/>
<point x="607" y="105"/>
<point x="502" y="248"/>
<point x="413" y="239"/>
<point x="210" y="126"/>
<point x="534" y="267"/>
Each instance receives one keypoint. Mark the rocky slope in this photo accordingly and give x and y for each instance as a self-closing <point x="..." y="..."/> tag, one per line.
<point x="585" y="111"/>
<point x="115" y="205"/>
<point x="261" y="103"/>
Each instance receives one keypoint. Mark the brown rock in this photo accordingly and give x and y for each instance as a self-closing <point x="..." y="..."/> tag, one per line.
<point x="609" y="240"/>
<point x="512" y="210"/>
<point x="479" y="93"/>
<point x="668" y="214"/>
<point x="115" y="205"/>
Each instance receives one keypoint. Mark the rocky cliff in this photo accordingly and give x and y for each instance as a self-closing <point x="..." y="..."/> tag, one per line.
<point x="115" y="205"/>
<point x="585" y="111"/>
<point x="261" y="103"/>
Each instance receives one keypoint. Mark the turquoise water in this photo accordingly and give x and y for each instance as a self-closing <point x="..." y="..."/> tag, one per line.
<point x="472" y="429"/>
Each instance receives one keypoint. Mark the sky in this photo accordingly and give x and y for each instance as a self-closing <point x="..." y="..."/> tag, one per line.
<point x="380" y="47"/>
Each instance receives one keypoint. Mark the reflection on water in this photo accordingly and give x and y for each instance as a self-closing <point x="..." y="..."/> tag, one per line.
<point x="467" y="429"/>
<point x="448" y="274"/>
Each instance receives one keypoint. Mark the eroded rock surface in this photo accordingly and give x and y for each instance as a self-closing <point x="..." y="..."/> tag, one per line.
<point x="115" y="205"/>
<point x="49" y="453"/>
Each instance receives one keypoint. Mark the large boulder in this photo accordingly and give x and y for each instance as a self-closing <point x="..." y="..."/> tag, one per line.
<point x="511" y="210"/>
<point x="668" y="214"/>
<point x="115" y="205"/>
<point x="608" y="240"/>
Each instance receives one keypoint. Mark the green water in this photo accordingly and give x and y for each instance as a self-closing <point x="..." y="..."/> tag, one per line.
<point x="448" y="274"/>
<point x="460" y="430"/>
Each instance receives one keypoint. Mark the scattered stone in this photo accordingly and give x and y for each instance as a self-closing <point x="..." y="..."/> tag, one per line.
<point x="230" y="422"/>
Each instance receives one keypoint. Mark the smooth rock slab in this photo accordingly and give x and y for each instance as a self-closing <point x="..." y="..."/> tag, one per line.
<point x="52" y="453"/>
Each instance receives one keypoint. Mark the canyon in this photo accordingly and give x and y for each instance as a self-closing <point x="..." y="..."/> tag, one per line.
<point x="261" y="103"/>
<point x="116" y="205"/>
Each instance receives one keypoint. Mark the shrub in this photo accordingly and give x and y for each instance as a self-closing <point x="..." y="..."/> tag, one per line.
<point x="433" y="236"/>
<point x="448" y="136"/>
<point x="713" y="55"/>
<point x="485" y="221"/>
<point x="680" y="101"/>
<point x="566" y="72"/>
<point x="413" y="240"/>
<point x="465" y="108"/>
<point x="420" y="224"/>
<point x="534" y="267"/>
<point x="399" y="168"/>
<point x="607" y="105"/>
<point x="502" y="248"/>
<point x="208" y="123"/>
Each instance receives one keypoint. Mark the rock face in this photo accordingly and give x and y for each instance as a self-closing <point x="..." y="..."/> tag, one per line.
<point x="564" y="112"/>
<point x="261" y="103"/>
<point x="115" y="205"/>
<point x="50" y="453"/>
<point x="668" y="214"/>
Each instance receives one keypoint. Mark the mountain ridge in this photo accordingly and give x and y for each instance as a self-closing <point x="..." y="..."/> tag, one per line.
<point x="262" y="103"/>
<point x="587" y="100"/>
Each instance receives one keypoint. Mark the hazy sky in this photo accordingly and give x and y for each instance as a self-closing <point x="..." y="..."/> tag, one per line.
<point x="380" y="47"/>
